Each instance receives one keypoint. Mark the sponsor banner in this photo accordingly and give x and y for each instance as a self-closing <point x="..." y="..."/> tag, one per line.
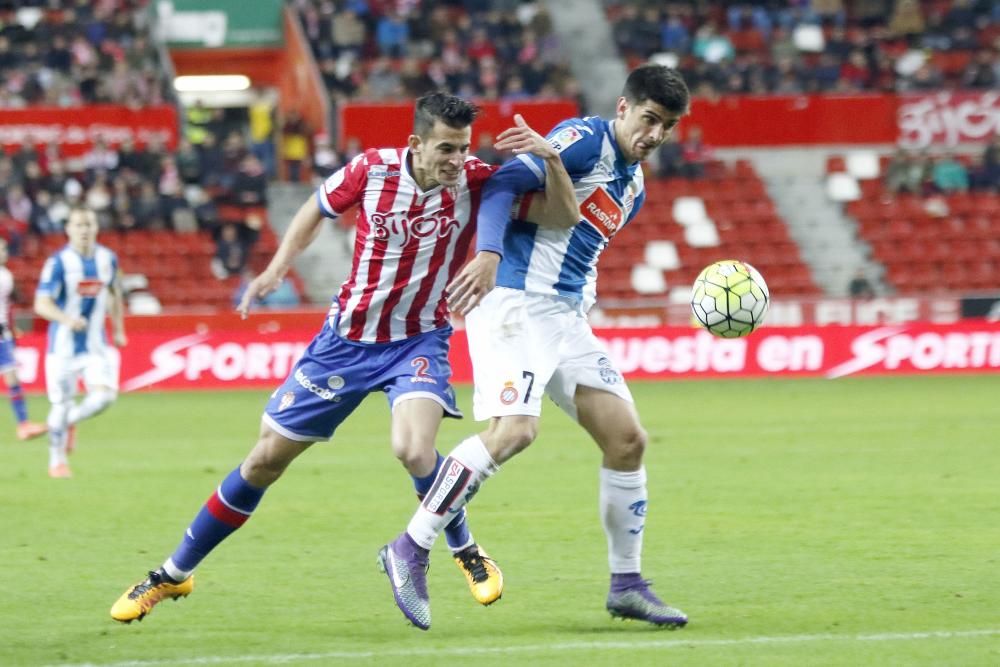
<point x="221" y="22"/>
<point x="76" y="129"/>
<point x="790" y="312"/>
<point x="389" y="124"/>
<point x="239" y="358"/>
<point x="948" y="118"/>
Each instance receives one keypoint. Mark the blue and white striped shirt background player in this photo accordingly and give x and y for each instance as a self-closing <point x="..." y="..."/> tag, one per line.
<point x="78" y="290"/>
<point x="80" y="287"/>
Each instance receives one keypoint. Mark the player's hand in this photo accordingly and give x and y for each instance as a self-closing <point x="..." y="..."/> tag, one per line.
<point x="78" y="324"/>
<point x="522" y="139"/>
<point x="259" y="287"/>
<point x="473" y="282"/>
<point x="120" y="339"/>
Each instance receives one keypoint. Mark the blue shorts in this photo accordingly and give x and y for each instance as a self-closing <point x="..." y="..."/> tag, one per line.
<point x="334" y="375"/>
<point x="7" y="361"/>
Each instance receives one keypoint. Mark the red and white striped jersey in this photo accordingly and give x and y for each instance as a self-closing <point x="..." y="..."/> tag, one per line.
<point x="410" y="243"/>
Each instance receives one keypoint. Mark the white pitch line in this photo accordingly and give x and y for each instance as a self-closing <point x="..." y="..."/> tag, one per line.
<point x="632" y="645"/>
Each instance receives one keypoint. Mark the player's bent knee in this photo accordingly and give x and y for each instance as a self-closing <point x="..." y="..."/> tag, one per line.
<point x="417" y="456"/>
<point x="629" y="448"/>
<point x="269" y="458"/>
<point x="511" y="436"/>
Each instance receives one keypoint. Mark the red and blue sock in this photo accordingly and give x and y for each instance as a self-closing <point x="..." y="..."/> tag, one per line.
<point x="17" y="402"/>
<point x="226" y="510"/>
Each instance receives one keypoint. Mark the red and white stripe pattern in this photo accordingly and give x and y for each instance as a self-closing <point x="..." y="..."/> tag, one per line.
<point x="409" y="244"/>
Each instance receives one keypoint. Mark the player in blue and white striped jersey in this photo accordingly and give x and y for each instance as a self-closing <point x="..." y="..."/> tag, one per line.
<point x="79" y="289"/>
<point x="530" y="334"/>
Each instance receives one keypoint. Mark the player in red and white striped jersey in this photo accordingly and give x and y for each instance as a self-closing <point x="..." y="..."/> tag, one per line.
<point x="387" y="329"/>
<point x="410" y="241"/>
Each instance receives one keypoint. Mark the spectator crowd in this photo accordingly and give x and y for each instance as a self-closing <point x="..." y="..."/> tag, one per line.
<point x="69" y="53"/>
<point x="925" y="174"/>
<point x="796" y="46"/>
<point x="377" y="50"/>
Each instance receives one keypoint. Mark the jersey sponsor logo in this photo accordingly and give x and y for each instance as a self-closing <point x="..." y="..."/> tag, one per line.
<point x="312" y="387"/>
<point x="397" y="224"/>
<point x="89" y="287"/>
<point x="375" y="172"/>
<point x="565" y="138"/>
<point x="449" y="484"/>
<point x="601" y="211"/>
<point x="508" y="394"/>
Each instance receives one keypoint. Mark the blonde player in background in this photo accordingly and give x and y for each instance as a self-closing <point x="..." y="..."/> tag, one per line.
<point x="80" y="286"/>
<point x="8" y="366"/>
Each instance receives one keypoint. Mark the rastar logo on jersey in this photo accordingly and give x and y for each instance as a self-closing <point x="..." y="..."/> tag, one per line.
<point x="89" y="287"/>
<point x="397" y="225"/>
<point x="603" y="212"/>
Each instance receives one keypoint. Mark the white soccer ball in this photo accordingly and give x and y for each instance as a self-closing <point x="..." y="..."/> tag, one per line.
<point x="729" y="298"/>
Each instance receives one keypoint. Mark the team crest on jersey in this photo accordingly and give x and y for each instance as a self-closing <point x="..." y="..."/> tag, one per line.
<point x="608" y="374"/>
<point x="603" y="212"/>
<point x="89" y="287"/>
<point x="565" y="138"/>
<point x="335" y="382"/>
<point x="287" y="399"/>
<point x="508" y="394"/>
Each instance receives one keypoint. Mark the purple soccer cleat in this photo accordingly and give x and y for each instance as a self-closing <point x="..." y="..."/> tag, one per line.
<point x="405" y="563"/>
<point x="631" y="597"/>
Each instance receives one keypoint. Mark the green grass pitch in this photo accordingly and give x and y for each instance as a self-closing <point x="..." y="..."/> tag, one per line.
<point x="806" y="522"/>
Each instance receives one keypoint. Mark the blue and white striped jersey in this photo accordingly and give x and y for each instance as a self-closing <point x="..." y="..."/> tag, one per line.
<point x="80" y="286"/>
<point x="609" y="191"/>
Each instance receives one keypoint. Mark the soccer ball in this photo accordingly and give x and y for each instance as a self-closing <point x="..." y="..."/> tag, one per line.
<point x="729" y="298"/>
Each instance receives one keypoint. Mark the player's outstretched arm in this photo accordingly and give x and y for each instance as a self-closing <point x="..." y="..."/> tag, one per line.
<point x="556" y="207"/>
<point x="303" y="230"/>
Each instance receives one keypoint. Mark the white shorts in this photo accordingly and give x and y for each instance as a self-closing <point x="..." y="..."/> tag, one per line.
<point x="523" y="345"/>
<point x="97" y="369"/>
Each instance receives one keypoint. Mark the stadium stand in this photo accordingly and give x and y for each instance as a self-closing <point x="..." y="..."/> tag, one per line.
<point x="376" y="51"/>
<point x="699" y="221"/>
<point x="164" y="209"/>
<point x="930" y="238"/>
<point x="67" y="53"/>
<point x="160" y="209"/>
<point x="849" y="46"/>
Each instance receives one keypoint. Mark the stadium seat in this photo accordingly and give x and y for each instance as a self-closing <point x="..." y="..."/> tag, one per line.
<point x="689" y="210"/>
<point x="841" y="187"/>
<point x="863" y="164"/>
<point x="702" y="234"/>
<point x="648" y="280"/>
<point x="661" y="255"/>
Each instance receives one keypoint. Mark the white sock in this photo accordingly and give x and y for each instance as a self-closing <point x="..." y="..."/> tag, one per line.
<point x="57" y="433"/>
<point x="93" y="403"/>
<point x="175" y="572"/>
<point x="461" y="473"/>
<point x="623" y="515"/>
